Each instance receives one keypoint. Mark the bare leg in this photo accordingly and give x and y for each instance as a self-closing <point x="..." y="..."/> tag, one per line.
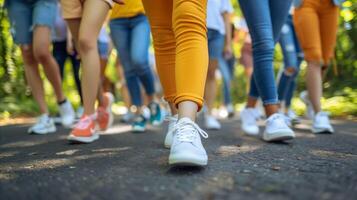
<point x="41" y="49"/>
<point x="187" y="109"/>
<point x="173" y="109"/>
<point x="211" y="85"/>
<point x="90" y="26"/>
<point x="33" y="77"/>
<point x="314" y="85"/>
<point x="248" y="71"/>
<point x="251" y="102"/>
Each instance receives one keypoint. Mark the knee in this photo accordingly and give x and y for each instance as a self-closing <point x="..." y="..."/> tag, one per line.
<point x="264" y="44"/>
<point x="27" y="54"/>
<point x="140" y="62"/>
<point x="42" y="54"/>
<point x="86" y="44"/>
<point x="129" y="72"/>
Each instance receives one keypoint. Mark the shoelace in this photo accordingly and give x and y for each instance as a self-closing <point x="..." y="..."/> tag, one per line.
<point x="172" y="120"/>
<point x="187" y="131"/>
<point x="279" y="119"/>
<point x="251" y="118"/>
<point x="83" y="123"/>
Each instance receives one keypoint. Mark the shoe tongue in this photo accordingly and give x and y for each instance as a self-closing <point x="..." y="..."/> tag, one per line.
<point x="43" y="118"/>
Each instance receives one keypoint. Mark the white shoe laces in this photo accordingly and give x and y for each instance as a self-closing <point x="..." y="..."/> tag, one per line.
<point x="250" y="118"/>
<point x="279" y="120"/>
<point x="187" y="131"/>
<point x="172" y="120"/>
<point x="83" y="123"/>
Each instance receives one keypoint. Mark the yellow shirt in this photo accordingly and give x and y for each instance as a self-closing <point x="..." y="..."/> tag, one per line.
<point x="131" y="8"/>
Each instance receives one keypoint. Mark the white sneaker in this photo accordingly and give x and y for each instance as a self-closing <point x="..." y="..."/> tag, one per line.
<point x="276" y="129"/>
<point x="170" y="131"/>
<point x="293" y="117"/>
<point x="43" y="126"/>
<point x="211" y="123"/>
<point x="288" y="120"/>
<point x="67" y="114"/>
<point x="187" y="148"/>
<point x="321" y="123"/>
<point x="248" y="119"/>
<point x="304" y="96"/>
<point x="127" y="117"/>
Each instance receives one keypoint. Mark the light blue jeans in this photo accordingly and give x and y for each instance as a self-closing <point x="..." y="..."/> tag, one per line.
<point x="131" y="38"/>
<point x="25" y="15"/>
<point x="265" y="19"/>
<point x="293" y="57"/>
<point x="215" y="51"/>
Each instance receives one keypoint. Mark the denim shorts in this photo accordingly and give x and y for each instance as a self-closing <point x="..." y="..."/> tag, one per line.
<point x="27" y="14"/>
<point x="103" y="49"/>
<point x="215" y="44"/>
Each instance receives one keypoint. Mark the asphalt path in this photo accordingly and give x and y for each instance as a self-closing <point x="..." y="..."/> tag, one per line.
<point x="123" y="165"/>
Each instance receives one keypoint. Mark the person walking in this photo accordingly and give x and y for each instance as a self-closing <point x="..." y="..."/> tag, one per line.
<point x="32" y="23"/>
<point x="316" y="24"/>
<point x="180" y="42"/>
<point x="265" y="20"/>
<point x="219" y="44"/>
<point x="130" y="32"/>
<point x="85" y="19"/>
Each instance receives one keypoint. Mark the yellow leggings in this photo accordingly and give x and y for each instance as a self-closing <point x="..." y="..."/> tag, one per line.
<point x="180" y="42"/>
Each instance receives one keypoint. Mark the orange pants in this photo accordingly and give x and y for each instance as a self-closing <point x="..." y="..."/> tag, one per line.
<point x="180" y="42"/>
<point x="316" y="24"/>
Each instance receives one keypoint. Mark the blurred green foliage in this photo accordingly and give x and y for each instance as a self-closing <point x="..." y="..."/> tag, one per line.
<point x="339" y="86"/>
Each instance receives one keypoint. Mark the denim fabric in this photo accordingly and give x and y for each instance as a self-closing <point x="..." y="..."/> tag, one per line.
<point x="265" y="19"/>
<point x="293" y="57"/>
<point x="131" y="37"/>
<point x="298" y="3"/>
<point x="215" y="44"/>
<point x="227" y="75"/>
<point x="60" y="54"/>
<point x="215" y="51"/>
<point x="103" y="49"/>
<point x="25" y="15"/>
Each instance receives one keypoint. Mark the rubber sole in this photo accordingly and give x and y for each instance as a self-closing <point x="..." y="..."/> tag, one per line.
<point x="85" y="140"/>
<point x="278" y="136"/>
<point x="186" y="160"/>
<point x="322" y="130"/>
<point x="138" y="130"/>
<point x="51" y="130"/>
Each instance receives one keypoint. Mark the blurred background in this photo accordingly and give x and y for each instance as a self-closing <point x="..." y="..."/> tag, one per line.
<point x="340" y="84"/>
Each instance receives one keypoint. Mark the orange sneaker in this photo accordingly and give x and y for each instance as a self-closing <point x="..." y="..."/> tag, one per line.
<point x="104" y="113"/>
<point x="84" y="131"/>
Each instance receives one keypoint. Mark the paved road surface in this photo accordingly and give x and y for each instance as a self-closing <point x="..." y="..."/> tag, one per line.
<point x="122" y="165"/>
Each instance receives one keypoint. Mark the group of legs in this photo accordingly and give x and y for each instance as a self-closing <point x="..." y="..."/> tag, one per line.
<point x="180" y="42"/>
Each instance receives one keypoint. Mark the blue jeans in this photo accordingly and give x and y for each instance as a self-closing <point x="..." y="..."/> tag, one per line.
<point x="265" y="19"/>
<point x="293" y="57"/>
<point x="215" y="51"/>
<point x="131" y="38"/>
<point x="26" y="15"/>
<point x="60" y="54"/>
